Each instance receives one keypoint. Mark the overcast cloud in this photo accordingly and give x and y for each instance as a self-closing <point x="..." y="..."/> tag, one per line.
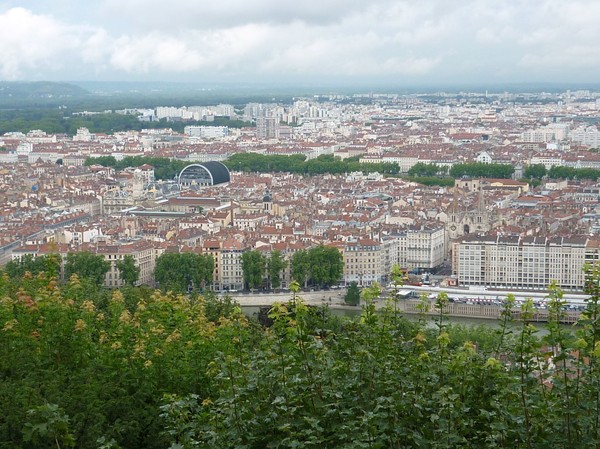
<point x="425" y="41"/>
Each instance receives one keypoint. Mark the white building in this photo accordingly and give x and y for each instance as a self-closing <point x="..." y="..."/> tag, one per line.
<point x="523" y="262"/>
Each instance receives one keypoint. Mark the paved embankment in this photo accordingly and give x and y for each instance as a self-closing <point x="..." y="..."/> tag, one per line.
<point x="335" y="299"/>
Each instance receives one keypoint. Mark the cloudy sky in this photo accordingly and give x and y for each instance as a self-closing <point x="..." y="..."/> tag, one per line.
<point x="370" y="41"/>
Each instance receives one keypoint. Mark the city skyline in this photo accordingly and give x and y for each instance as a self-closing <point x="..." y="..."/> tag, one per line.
<point x="382" y="42"/>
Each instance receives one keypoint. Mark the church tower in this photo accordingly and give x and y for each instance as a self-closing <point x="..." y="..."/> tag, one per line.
<point x="268" y="202"/>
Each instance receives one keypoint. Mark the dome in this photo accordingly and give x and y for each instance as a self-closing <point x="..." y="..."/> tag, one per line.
<point x="205" y="174"/>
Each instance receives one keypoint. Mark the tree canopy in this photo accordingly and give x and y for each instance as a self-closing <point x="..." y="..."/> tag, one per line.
<point x="91" y="368"/>
<point x="164" y="168"/>
<point x="183" y="272"/>
<point x="481" y="170"/>
<point x="275" y="265"/>
<point x="253" y="162"/>
<point x="254" y="265"/>
<point x="129" y="272"/>
<point x="323" y="266"/>
<point x="87" y="265"/>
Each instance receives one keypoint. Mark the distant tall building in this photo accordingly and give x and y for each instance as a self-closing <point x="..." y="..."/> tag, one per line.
<point x="266" y="127"/>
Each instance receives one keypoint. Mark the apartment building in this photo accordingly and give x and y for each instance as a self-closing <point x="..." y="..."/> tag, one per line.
<point x="523" y="262"/>
<point x="143" y="252"/>
<point x="363" y="262"/>
<point x="419" y="248"/>
<point x="231" y="274"/>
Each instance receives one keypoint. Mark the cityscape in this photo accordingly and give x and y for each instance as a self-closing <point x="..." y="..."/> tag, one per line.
<point x="508" y="232"/>
<point x="298" y="225"/>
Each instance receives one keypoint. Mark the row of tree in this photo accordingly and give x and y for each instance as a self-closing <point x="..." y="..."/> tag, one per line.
<point x="57" y="122"/>
<point x="164" y="168"/>
<point x="469" y="169"/>
<point x="253" y="162"/>
<point x="320" y="266"/>
<point x="83" y="264"/>
<point x="184" y="272"/>
<point x="539" y="171"/>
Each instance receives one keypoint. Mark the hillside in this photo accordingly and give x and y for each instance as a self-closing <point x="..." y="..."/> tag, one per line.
<point x="37" y="94"/>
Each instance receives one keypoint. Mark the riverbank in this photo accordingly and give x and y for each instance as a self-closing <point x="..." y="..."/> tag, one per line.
<point x="335" y="300"/>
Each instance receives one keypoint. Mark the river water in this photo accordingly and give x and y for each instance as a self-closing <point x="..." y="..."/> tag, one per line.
<point x="468" y="322"/>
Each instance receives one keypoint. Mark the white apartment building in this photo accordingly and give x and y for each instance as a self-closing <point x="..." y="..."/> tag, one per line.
<point x="589" y="136"/>
<point x="231" y="274"/>
<point x="523" y="262"/>
<point x="547" y="159"/>
<point x="421" y="248"/>
<point x="549" y="133"/>
<point x="207" y="132"/>
<point x="143" y="254"/>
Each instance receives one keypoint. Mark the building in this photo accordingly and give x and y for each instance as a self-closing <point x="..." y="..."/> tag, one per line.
<point x="416" y="248"/>
<point x="523" y="262"/>
<point x="205" y="174"/>
<point x="143" y="252"/>
<point x="463" y="219"/>
<point x="266" y="127"/>
<point x="207" y="132"/>
<point x="363" y="262"/>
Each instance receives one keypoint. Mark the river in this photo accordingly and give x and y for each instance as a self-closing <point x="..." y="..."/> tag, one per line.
<point x="353" y="312"/>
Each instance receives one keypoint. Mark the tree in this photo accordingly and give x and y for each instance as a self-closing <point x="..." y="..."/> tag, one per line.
<point x="301" y="267"/>
<point x="28" y="262"/>
<point x="326" y="265"/>
<point x="181" y="272"/>
<point x="535" y="171"/>
<point x="427" y="170"/>
<point x="254" y="266"/>
<point x="129" y="272"/>
<point x="276" y="264"/>
<point x="481" y="170"/>
<point x="352" y="294"/>
<point x="87" y="265"/>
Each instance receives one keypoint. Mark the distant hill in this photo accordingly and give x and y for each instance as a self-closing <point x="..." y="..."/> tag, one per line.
<point x="40" y="93"/>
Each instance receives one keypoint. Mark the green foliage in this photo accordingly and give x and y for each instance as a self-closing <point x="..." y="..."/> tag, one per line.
<point x="164" y="168"/>
<point x="35" y="265"/>
<point x="445" y="181"/>
<point x="322" y="266"/>
<point x="183" y="272"/>
<point x="254" y="266"/>
<point x="48" y="426"/>
<point x="129" y="272"/>
<point x="80" y="369"/>
<point x="481" y="170"/>
<point x="105" y="161"/>
<point x="535" y="171"/>
<point x="326" y="265"/>
<point x="55" y="121"/>
<point x="561" y="172"/>
<point x="87" y="266"/>
<point x="427" y="170"/>
<point x="253" y="162"/>
<point x="301" y="266"/>
<point x="352" y="296"/>
<point x="275" y="265"/>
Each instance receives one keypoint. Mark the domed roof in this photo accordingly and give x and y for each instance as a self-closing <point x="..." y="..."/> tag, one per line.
<point x="207" y="173"/>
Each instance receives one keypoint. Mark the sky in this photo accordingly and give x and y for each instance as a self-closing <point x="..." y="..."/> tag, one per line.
<point x="310" y="41"/>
